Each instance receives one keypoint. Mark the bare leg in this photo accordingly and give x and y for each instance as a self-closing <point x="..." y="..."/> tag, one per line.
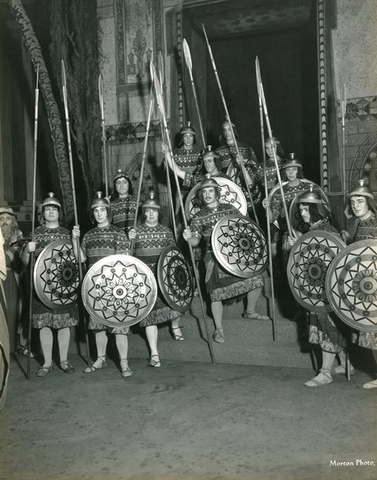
<point x="324" y="377"/>
<point x="217" y="312"/>
<point x="176" y="330"/>
<point x="252" y="298"/>
<point x="101" y="344"/>
<point x="373" y="383"/>
<point x="64" y="335"/>
<point x="152" y="336"/>
<point x="46" y="339"/>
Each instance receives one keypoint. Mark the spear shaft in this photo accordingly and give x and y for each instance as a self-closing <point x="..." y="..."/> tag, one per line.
<point x="103" y="131"/>
<point x="343" y="165"/>
<point x="230" y="124"/>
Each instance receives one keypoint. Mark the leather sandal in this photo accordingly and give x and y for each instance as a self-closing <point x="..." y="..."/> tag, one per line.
<point x="323" y="378"/>
<point x="154" y="361"/>
<point x="341" y="370"/>
<point x="218" y="335"/>
<point x="254" y="315"/>
<point x="178" y="337"/>
<point x="126" y="371"/>
<point x="97" y="365"/>
<point x="43" y="371"/>
<point x="67" y="367"/>
<point x="372" y="384"/>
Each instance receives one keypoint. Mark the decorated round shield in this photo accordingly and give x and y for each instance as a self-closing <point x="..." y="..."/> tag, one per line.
<point x="239" y="246"/>
<point x="294" y="213"/>
<point x="56" y="275"/>
<point x="119" y="290"/>
<point x="351" y="285"/>
<point x="229" y="193"/>
<point x="175" y="279"/>
<point x="308" y="263"/>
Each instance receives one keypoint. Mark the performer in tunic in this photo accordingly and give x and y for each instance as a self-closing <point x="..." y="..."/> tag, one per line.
<point x="12" y="303"/>
<point x="104" y="240"/>
<point x="325" y="329"/>
<point x="45" y="319"/>
<point x="150" y="239"/>
<point x="292" y="174"/>
<point x="122" y="202"/>
<point x="363" y="207"/>
<point x="220" y="284"/>
<point x="271" y="174"/>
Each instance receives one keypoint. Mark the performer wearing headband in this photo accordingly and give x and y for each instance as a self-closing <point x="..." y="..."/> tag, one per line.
<point x="103" y="240"/>
<point x="150" y="239"/>
<point x="325" y="329"/>
<point x="271" y="175"/>
<point x="44" y="319"/>
<point x="12" y="303"/>
<point x="363" y="207"/>
<point x="122" y="202"/>
<point x="220" y="284"/>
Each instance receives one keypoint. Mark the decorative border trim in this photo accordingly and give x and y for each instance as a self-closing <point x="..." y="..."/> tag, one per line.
<point x="132" y="132"/>
<point x="321" y="38"/>
<point x="362" y="108"/>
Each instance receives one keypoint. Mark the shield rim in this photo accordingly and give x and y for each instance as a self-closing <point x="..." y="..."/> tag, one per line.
<point x="326" y="308"/>
<point x="351" y="323"/>
<point x="192" y="194"/>
<point x="114" y="258"/>
<point x="160" y="279"/>
<point x="225" y="264"/>
<point x="304" y="180"/>
<point x="37" y="284"/>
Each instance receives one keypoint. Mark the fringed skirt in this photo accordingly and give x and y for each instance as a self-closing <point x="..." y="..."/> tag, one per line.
<point x="45" y="317"/>
<point x="325" y="331"/>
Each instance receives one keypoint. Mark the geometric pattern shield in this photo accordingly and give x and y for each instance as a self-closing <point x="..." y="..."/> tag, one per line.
<point x="351" y="285"/>
<point x="309" y="260"/>
<point x="56" y="275"/>
<point x="229" y="193"/>
<point x="175" y="279"/>
<point x="239" y="246"/>
<point x="119" y="290"/>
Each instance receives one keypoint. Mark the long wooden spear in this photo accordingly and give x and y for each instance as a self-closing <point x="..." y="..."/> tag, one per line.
<point x="273" y="144"/>
<point x="103" y="131"/>
<point x="270" y="259"/>
<point x="151" y="102"/>
<point x="161" y="107"/>
<point x="230" y="124"/>
<point x="67" y="124"/>
<point x="36" y="103"/>
<point x="187" y="54"/>
<point x="161" y="70"/>
<point x="343" y="162"/>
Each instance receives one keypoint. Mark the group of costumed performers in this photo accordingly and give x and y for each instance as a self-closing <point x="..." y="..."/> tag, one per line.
<point x="45" y="319"/>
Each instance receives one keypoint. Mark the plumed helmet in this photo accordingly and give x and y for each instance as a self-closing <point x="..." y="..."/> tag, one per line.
<point x="120" y="174"/>
<point x="292" y="161"/>
<point x="188" y="129"/>
<point x="151" y="203"/>
<point x="310" y="196"/>
<point x="99" y="201"/>
<point x="209" y="182"/>
<point x="209" y="153"/>
<point x="361" y="191"/>
<point x="51" y="200"/>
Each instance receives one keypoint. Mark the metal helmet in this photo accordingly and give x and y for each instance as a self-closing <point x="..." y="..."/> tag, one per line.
<point x="292" y="161"/>
<point x="151" y="203"/>
<point x="227" y="122"/>
<point x="209" y="182"/>
<point x="310" y="196"/>
<point x="51" y="200"/>
<point x="6" y="210"/>
<point x="99" y="201"/>
<point x="188" y="129"/>
<point x="209" y="153"/>
<point x="120" y="174"/>
<point x="361" y="191"/>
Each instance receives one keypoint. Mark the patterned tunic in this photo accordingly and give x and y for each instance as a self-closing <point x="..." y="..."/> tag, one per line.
<point x="124" y="211"/>
<point x="365" y="229"/>
<point x="325" y="329"/>
<point x="220" y="284"/>
<point x="42" y="315"/>
<point x="149" y="243"/>
<point x="271" y="173"/>
<point x="98" y="243"/>
<point x="187" y="160"/>
<point x="276" y="202"/>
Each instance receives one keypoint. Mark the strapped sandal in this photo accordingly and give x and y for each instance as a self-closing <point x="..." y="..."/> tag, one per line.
<point x="67" y="367"/>
<point x="218" y="335"/>
<point x="126" y="371"/>
<point x="43" y="371"/>
<point x="178" y="337"/>
<point x="154" y="361"/>
<point x="341" y="370"/>
<point x="254" y="315"/>
<point x="323" y="378"/>
<point x="372" y="384"/>
<point x="97" y="365"/>
<point x="24" y="350"/>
